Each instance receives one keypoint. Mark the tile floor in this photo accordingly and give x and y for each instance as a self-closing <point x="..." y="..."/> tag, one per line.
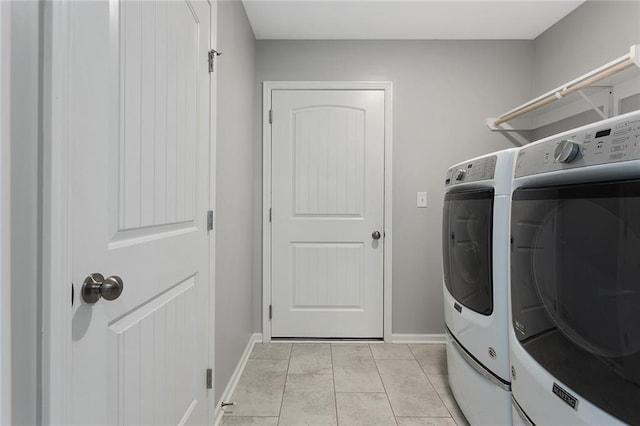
<point x="344" y="384"/>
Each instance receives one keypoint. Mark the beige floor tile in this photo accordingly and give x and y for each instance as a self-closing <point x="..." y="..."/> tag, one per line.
<point x="248" y="421"/>
<point x="441" y="385"/>
<point x="308" y="400"/>
<point x="417" y="390"/>
<point x="311" y="358"/>
<point x="364" y="409"/>
<point x="259" y="391"/>
<point x="271" y="351"/>
<point x="420" y="421"/>
<point x="356" y="375"/>
<point x="390" y="351"/>
<point x="410" y="392"/>
<point x="341" y="351"/>
<point x="431" y="357"/>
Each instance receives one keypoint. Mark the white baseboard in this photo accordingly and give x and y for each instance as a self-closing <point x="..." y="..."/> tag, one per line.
<point x="235" y="377"/>
<point x="418" y="338"/>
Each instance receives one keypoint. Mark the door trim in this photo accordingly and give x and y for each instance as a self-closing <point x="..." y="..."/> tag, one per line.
<point x="56" y="208"/>
<point x="56" y="312"/>
<point x="267" y="88"/>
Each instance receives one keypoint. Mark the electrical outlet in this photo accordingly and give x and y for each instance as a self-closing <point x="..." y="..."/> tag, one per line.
<point x="422" y="199"/>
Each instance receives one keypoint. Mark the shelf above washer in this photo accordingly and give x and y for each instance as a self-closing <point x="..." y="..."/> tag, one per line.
<point x="620" y="72"/>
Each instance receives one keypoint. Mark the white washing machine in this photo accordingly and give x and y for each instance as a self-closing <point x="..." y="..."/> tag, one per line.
<point x="475" y="241"/>
<point x="575" y="276"/>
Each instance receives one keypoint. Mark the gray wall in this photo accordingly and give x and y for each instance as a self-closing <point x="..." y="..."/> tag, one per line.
<point x="5" y="214"/>
<point x="442" y="93"/>
<point x="629" y="104"/>
<point x="560" y="126"/>
<point x="592" y="35"/>
<point x="234" y="200"/>
<point x="25" y="294"/>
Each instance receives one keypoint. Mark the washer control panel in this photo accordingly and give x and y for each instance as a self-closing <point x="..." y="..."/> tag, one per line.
<point x="473" y="171"/>
<point x="608" y="141"/>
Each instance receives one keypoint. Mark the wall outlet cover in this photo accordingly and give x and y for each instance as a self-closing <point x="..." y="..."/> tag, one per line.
<point x="422" y="199"/>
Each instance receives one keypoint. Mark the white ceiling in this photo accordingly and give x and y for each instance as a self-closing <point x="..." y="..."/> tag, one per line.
<point x="404" y="20"/>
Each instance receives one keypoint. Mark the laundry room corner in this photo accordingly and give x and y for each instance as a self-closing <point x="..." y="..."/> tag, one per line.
<point x="234" y="201"/>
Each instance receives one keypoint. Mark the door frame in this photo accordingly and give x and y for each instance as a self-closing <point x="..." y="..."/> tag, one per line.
<point x="57" y="216"/>
<point x="267" y="88"/>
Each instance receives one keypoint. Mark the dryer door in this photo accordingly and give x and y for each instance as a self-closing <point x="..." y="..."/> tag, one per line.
<point x="467" y="248"/>
<point x="575" y="288"/>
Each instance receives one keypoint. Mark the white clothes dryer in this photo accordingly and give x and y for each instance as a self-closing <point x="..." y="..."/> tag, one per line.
<point x="475" y="241"/>
<point x="575" y="276"/>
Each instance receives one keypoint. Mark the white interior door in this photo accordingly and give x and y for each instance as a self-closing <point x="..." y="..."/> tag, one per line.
<point x="327" y="201"/>
<point x="139" y="86"/>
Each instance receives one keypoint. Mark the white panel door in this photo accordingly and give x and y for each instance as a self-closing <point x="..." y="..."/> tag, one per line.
<point x="139" y="130"/>
<point x="327" y="201"/>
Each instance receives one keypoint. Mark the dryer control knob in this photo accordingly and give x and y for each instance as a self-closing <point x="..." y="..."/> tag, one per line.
<point x="566" y="151"/>
<point x="460" y="173"/>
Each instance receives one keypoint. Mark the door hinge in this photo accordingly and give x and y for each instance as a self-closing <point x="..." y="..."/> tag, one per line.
<point x="209" y="378"/>
<point x="270" y="116"/>
<point x="270" y="311"/>
<point x="210" y="220"/>
<point x="212" y="57"/>
<point x="269" y="214"/>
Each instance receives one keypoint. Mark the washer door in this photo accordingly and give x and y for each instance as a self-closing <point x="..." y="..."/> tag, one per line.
<point x="467" y="247"/>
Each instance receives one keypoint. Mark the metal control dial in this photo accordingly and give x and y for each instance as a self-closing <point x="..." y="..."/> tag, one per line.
<point x="566" y="151"/>
<point x="459" y="174"/>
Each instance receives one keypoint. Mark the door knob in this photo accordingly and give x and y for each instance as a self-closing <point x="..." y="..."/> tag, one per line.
<point x="376" y="235"/>
<point x="96" y="286"/>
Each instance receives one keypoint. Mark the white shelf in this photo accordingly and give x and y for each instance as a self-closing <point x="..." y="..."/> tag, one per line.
<point x="616" y="80"/>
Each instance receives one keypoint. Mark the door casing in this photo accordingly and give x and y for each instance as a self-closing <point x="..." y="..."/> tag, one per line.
<point x="56" y="361"/>
<point x="267" y="88"/>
